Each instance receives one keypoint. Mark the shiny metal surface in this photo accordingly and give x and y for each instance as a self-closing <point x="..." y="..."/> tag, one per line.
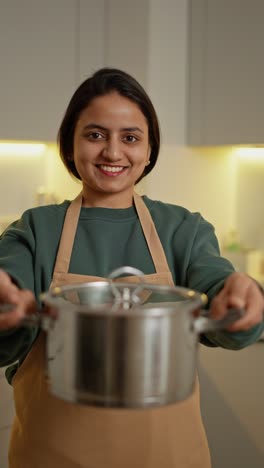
<point x="132" y="353"/>
<point x="125" y="362"/>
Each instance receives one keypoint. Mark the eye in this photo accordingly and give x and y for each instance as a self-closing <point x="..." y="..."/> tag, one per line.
<point x="94" y="136"/>
<point x="130" y="138"/>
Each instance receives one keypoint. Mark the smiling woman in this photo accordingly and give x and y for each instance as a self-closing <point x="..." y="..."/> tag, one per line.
<point x="110" y="121"/>
<point x="109" y="139"/>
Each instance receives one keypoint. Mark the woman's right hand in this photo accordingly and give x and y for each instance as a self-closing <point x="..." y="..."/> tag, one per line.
<point x="23" y="300"/>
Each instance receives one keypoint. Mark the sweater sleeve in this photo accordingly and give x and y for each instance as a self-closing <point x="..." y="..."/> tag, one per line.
<point x="17" y="249"/>
<point x="16" y="258"/>
<point x="207" y="272"/>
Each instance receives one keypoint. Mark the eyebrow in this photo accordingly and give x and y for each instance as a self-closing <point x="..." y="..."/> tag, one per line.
<point x="125" y="129"/>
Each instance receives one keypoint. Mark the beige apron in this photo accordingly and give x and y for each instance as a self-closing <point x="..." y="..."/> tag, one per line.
<point x="51" y="433"/>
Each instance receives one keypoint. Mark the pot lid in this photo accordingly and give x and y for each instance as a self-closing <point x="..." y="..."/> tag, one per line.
<point x="124" y="298"/>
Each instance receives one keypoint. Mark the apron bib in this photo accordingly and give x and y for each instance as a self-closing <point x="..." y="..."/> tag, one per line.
<point x="48" y="432"/>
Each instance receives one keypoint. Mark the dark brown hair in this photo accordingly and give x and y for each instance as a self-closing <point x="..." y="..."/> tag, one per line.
<point x="102" y="82"/>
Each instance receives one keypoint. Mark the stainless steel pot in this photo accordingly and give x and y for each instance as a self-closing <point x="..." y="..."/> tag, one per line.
<point x="118" y="344"/>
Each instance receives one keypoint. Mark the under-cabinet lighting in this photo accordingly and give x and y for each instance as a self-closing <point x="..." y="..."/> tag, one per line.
<point x="250" y="153"/>
<point x="22" y="149"/>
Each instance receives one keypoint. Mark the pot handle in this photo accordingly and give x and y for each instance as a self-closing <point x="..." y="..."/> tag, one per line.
<point x="126" y="297"/>
<point x="126" y="270"/>
<point x="203" y="323"/>
<point x="35" y="320"/>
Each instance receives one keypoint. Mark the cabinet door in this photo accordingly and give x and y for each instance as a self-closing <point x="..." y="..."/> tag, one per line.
<point x="92" y="37"/>
<point x="226" y="72"/>
<point x="38" y="66"/>
<point x="127" y="33"/>
<point x="114" y="34"/>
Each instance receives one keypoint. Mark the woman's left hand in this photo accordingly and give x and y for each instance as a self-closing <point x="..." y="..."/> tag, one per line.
<point x="241" y="292"/>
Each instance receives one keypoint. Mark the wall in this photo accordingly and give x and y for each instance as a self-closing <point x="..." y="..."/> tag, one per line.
<point x="249" y="200"/>
<point x="20" y="178"/>
<point x="23" y="177"/>
<point x="200" y="180"/>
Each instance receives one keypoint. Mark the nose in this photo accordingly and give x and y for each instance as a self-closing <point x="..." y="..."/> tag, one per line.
<point x="112" y="151"/>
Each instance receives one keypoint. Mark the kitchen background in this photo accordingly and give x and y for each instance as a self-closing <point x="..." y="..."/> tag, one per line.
<point x="200" y="61"/>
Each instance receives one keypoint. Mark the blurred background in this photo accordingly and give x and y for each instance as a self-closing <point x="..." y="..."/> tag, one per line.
<point x="201" y="63"/>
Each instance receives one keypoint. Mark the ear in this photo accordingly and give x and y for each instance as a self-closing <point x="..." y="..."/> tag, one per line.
<point x="149" y="151"/>
<point x="148" y="155"/>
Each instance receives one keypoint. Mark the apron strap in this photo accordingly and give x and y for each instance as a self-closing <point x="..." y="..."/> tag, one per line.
<point x="151" y="236"/>
<point x="68" y="234"/>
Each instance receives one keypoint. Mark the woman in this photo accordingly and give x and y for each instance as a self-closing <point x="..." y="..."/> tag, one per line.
<point x="109" y="139"/>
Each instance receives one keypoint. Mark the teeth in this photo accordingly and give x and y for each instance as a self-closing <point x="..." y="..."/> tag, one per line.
<point x="111" y="168"/>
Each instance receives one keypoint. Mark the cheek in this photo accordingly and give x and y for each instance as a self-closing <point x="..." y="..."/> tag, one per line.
<point x="140" y="155"/>
<point x="81" y="151"/>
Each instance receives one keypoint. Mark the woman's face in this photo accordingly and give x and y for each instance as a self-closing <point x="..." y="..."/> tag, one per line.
<point x="111" y="149"/>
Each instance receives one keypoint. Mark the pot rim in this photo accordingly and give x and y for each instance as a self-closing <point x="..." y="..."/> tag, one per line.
<point x="120" y="307"/>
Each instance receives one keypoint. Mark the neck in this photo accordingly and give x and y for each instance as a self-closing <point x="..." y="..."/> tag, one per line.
<point x="106" y="200"/>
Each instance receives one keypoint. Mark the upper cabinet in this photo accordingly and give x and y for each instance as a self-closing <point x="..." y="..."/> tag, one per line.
<point x="226" y="73"/>
<point x="114" y="34"/>
<point x="90" y="47"/>
<point x="38" y="66"/>
<point x="47" y="48"/>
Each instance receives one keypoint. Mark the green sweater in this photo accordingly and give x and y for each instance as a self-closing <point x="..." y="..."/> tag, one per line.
<point x="107" y="239"/>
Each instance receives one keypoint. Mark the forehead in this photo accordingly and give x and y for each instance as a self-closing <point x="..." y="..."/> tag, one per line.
<point x="113" y="107"/>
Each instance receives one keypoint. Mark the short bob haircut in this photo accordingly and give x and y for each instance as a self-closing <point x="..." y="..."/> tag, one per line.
<point x="102" y="82"/>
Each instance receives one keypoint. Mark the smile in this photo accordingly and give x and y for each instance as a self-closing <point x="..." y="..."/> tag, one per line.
<point x="111" y="170"/>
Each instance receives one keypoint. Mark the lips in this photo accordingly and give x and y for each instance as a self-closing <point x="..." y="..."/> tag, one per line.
<point x="111" y="170"/>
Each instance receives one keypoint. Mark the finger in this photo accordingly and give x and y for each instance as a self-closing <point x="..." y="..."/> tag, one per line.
<point x="254" y="312"/>
<point x="246" y="323"/>
<point x="234" y="294"/>
<point x="26" y="305"/>
<point x="222" y="302"/>
<point x="11" y="319"/>
<point x="238" y="284"/>
<point x="28" y="301"/>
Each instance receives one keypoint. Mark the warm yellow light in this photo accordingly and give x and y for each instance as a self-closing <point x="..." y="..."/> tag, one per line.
<point x="26" y="149"/>
<point x="249" y="153"/>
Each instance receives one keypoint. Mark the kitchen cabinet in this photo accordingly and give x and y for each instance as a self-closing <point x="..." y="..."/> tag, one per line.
<point x="226" y="72"/>
<point x="126" y="39"/>
<point x="38" y="66"/>
<point x="91" y="37"/>
<point x="110" y="40"/>
<point x="48" y="48"/>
